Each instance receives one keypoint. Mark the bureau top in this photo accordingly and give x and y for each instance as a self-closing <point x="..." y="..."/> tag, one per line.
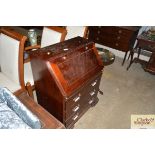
<point x="62" y="48"/>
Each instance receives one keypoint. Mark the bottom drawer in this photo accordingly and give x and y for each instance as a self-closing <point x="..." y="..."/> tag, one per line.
<point x="73" y="119"/>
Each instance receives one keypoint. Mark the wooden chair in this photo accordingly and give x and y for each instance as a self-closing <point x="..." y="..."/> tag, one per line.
<point x="74" y="31"/>
<point x="50" y="35"/>
<point x="12" y="75"/>
<point x="11" y="60"/>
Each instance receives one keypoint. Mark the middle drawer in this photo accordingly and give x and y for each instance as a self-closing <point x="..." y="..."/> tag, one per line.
<point x="74" y="105"/>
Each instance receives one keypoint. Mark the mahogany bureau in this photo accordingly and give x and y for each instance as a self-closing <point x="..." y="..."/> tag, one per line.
<point x="118" y="37"/>
<point x="67" y="77"/>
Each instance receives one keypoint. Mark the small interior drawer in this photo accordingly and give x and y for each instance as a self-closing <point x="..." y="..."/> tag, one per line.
<point x="123" y="32"/>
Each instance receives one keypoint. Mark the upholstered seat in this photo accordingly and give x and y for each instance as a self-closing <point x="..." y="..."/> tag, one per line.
<point x="10" y="120"/>
<point x="74" y="31"/>
<point x="13" y="114"/>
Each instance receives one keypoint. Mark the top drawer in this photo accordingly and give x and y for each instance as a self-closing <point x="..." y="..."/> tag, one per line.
<point x="111" y="30"/>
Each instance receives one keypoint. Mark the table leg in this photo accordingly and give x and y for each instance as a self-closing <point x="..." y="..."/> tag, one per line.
<point x="131" y="60"/>
<point x="129" y="56"/>
<point x="124" y="58"/>
<point x="139" y="51"/>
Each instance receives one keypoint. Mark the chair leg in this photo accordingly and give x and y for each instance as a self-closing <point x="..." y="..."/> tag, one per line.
<point x="29" y="89"/>
<point x="139" y="51"/>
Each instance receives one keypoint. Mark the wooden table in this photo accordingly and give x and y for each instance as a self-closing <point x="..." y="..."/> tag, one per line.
<point x="121" y="38"/>
<point x="144" y="43"/>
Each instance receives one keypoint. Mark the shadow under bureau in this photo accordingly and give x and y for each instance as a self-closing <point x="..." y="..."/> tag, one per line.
<point x="67" y="77"/>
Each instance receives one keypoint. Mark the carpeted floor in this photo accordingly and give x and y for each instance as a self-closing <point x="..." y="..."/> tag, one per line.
<point x="125" y="93"/>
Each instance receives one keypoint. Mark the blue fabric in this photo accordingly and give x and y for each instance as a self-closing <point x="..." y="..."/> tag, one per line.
<point x="2" y="97"/>
<point x="7" y="99"/>
<point x="10" y="120"/>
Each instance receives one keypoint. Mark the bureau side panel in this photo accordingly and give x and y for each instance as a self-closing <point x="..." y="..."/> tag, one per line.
<point x="48" y="93"/>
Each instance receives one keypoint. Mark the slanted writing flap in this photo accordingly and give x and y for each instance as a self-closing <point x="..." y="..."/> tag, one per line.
<point x="72" y="68"/>
<point x="77" y="66"/>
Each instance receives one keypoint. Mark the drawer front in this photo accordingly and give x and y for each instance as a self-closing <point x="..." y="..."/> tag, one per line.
<point x="115" y="37"/>
<point x="87" y="100"/>
<point x="119" y="46"/>
<point x="116" y="42"/>
<point x="105" y="30"/>
<point x="74" y="99"/>
<point x="82" y="100"/>
<point x="104" y="38"/>
<point x="111" y="30"/>
<point x="76" y="116"/>
<point x="92" y="88"/>
<point x="71" y="108"/>
<point x="123" y="32"/>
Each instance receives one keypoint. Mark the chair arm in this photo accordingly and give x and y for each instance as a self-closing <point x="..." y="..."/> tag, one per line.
<point x="28" y="49"/>
<point x="48" y="121"/>
<point x="21" y="110"/>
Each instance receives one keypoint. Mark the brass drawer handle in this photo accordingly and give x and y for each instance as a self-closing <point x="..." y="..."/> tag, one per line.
<point x="116" y="44"/>
<point x="94" y="83"/>
<point x="65" y="49"/>
<point x="98" y="32"/>
<point x="75" y="117"/>
<point x="120" y="31"/>
<point x="91" y="101"/>
<point x="118" y="37"/>
<point x="77" y="98"/>
<point x="97" y="38"/>
<point x="64" y="57"/>
<point x="76" y="108"/>
<point x="92" y="93"/>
